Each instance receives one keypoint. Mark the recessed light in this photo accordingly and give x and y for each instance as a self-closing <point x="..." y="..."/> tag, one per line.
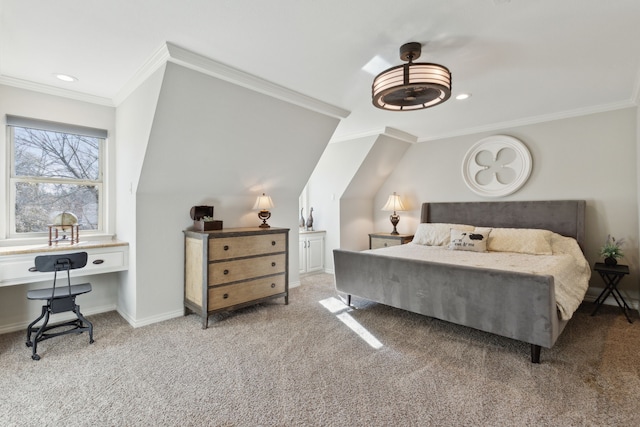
<point x="65" y="77"/>
<point x="463" y="96"/>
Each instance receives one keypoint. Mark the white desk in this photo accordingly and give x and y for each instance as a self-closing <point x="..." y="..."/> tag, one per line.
<point x="103" y="257"/>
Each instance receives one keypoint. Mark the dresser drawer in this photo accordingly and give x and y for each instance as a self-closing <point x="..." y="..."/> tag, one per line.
<point x="232" y="271"/>
<point x="234" y="247"/>
<point x="230" y="295"/>
<point x="378" y="242"/>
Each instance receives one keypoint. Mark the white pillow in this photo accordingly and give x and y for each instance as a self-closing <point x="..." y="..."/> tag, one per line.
<point x="437" y="234"/>
<point x="475" y="241"/>
<point x="521" y="240"/>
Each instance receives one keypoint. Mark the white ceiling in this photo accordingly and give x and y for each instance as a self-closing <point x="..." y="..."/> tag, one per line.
<point x="522" y="60"/>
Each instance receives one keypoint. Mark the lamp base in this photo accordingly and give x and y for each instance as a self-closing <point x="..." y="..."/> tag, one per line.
<point x="264" y="215"/>
<point x="395" y="219"/>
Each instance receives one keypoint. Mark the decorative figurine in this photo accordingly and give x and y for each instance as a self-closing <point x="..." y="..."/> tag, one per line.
<point x="301" y="218"/>
<point x="310" y="220"/>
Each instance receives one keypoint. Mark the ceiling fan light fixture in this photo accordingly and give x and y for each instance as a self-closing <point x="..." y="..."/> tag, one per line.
<point x="411" y="86"/>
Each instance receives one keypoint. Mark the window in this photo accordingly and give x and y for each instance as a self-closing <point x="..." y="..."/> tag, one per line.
<point x="55" y="168"/>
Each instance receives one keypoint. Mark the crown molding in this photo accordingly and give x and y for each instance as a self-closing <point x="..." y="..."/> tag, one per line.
<point x="197" y="62"/>
<point x="169" y="52"/>
<point x="386" y="131"/>
<point x="157" y="60"/>
<point x="55" y="91"/>
<point x="499" y="126"/>
<point x="400" y="135"/>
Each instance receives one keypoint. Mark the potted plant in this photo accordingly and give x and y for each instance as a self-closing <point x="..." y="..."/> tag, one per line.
<point x="611" y="250"/>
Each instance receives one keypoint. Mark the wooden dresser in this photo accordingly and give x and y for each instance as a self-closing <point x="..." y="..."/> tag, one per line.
<point x="233" y="268"/>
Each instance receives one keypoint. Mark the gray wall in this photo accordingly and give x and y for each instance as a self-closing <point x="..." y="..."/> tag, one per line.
<point x="592" y="157"/>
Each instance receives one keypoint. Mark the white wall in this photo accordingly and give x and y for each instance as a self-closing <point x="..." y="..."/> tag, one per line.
<point x="213" y="142"/>
<point x="184" y="139"/>
<point x="134" y="119"/>
<point x="592" y="157"/>
<point x="328" y="182"/>
<point x="342" y="187"/>
<point x="15" y="310"/>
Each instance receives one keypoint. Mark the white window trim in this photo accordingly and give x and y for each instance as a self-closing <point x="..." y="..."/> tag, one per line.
<point x="11" y="180"/>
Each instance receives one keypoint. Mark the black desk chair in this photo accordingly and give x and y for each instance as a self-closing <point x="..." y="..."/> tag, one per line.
<point x="59" y="299"/>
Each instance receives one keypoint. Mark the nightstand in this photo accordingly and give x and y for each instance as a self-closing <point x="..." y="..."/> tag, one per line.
<point x="611" y="275"/>
<point x="383" y="240"/>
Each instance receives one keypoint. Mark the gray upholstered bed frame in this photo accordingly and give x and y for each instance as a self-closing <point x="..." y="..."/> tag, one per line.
<point x="515" y="305"/>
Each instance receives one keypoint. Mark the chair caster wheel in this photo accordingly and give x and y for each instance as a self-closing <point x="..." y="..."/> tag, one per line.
<point x="29" y="344"/>
<point x="35" y="357"/>
<point x="91" y="341"/>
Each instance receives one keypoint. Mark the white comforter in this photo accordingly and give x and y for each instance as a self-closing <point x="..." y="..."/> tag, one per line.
<point x="567" y="265"/>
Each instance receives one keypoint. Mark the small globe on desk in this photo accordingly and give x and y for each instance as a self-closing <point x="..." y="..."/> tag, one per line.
<point x="65" y="218"/>
<point x="63" y="221"/>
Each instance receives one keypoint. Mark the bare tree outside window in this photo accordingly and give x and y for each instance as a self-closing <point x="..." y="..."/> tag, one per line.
<point x="55" y="172"/>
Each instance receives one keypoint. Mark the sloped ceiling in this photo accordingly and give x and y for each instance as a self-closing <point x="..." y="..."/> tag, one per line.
<point x="214" y="137"/>
<point x="522" y="60"/>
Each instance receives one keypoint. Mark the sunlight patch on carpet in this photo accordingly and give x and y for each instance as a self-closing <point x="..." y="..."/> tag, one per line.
<point x="334" y="305"/>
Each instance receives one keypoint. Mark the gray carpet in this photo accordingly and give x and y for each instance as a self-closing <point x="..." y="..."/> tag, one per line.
<point x="277" y="365"/>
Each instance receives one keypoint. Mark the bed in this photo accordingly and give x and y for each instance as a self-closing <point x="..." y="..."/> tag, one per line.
<point x="515" y="304"/>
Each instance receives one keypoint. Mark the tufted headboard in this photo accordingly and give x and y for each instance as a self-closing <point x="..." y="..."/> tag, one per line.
<point x="565" y="217"/>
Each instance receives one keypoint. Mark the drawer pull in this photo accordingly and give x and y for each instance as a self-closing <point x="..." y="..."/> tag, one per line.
<point x="273" y="243"/>
<point x="273" y="285"/>
<point x="98" y="261"/>
<point x="225" y="296"/>
<point x="226" y="272"/>
<point x="273" y="264"/>
<point x="226" y="247"/>
<point x="33" y="269"/>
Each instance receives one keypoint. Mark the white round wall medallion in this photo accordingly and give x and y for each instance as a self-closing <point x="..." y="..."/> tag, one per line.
<point x="496" y="166"/>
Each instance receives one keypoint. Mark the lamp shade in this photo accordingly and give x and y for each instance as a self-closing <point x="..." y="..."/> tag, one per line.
<point x="263" y="203"/>
<point x="393" y="204"/>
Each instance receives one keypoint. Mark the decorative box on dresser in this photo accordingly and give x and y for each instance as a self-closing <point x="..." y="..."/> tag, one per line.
<point x="233" y="268"/>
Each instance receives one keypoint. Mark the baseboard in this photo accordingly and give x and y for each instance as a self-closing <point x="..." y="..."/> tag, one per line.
<point x="633" y="303"/>
<point x="294" y="284"/>
<point x="61" y="317"/>
<point x="137" y="323"/>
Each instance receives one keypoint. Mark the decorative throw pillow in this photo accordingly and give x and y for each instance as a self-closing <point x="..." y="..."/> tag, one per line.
<point x="519" y="240"/>
<point x="469" y="240"/>
<point x="437" y="234"/>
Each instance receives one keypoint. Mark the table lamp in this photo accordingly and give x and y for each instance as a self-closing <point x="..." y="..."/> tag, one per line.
<point x="394" y="204"/>
<point x="264" y="203"/>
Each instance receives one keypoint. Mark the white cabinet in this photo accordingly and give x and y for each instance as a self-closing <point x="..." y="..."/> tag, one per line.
<point x="311" y="251"/>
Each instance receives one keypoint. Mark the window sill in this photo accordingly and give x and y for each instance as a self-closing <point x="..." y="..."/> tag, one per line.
<point x="44" y="240"/>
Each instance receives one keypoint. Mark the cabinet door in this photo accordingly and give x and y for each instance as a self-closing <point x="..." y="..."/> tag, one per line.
<point x="302" y="254"/>
<point x="315" y="253"/>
